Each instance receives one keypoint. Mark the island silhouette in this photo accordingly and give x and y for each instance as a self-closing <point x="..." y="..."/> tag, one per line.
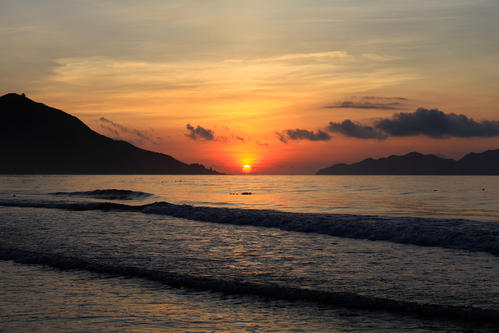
<point x="38" y="139"/>
<point x="486" y="163"/>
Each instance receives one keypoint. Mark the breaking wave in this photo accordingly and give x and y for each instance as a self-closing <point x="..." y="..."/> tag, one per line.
<point x="446" y="233"/>
<point x="110" y="194"/>
<point x="343" y="299"/>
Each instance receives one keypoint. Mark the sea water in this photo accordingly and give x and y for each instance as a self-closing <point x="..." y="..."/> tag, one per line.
<point x="249" y="253"/>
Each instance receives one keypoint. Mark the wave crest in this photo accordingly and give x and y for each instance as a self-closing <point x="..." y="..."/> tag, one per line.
<point x="343" y="299"/>
<point x="446" y="233"/>
<point x="108" y="194"/>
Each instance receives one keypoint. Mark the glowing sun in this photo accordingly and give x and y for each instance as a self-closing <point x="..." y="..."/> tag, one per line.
<point x="246" y="168"/>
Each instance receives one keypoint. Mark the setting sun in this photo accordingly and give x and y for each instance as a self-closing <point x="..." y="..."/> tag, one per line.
<point x="246" y="168"/>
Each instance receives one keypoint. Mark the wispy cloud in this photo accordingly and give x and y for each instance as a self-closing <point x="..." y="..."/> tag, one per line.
<point x="297" y="56"/>
<point x="121" y="85"/>
<point x="380" y="58"/>
<point x="371" y="102"/>
<point x="262" y="144"/>
<point x="366" y="105"/>
<point x="385" y="98"/>
<point x="120" y="132"/>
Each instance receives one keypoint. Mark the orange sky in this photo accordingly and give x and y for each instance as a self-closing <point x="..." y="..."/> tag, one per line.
<point x="244" y="70"/>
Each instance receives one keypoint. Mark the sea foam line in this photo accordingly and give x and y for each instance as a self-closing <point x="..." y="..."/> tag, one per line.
<point x="446" y="233"/>
<point x="342" y="299"/>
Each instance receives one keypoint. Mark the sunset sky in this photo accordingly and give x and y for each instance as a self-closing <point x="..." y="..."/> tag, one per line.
<point x="286" y="86"/>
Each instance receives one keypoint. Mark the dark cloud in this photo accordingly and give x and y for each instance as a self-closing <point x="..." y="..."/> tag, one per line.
<point x="262" y="144"/>
<point x="366" y="105"/>
<point x="302" y="134"/>
<point x="354" y="130"/>
<point x="436" y="124"/>
<point x="199" y="133"/>
<point x="282" y="137"/>
<point x="386" y="98"/>
<point x="120" y="132"/>
<point x="371" y="102"/>
<point x="432" y="123"/>
<point x="202" y="133"/>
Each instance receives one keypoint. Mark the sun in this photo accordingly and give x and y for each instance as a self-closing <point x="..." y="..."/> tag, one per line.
<point x="246" y="168"/>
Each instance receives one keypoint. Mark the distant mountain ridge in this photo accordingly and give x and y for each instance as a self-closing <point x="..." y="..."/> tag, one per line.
<point x="37" y="139"/>
<point x="486" y="163"/>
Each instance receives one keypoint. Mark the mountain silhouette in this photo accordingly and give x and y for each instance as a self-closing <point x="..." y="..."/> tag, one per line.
<point x="37" y="139"/>
<point x="486" y="163"/>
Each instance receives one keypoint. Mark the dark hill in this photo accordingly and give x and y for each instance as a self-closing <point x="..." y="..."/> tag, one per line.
<point x="37" y="139"/>
<point x="486" y="163"/>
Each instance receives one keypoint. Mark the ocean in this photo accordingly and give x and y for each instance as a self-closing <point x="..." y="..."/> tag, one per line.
<point x="249" y="253"/>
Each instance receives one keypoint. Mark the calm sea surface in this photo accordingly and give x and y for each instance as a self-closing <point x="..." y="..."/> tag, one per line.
<point x="299" y="253"/>
<point x="470" y="197"/>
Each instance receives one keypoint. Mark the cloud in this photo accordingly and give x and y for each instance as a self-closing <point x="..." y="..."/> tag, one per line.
<point x="366" y="105"/>
<point x="282" y="137"/>
<point x="240" y="138"/>
<point x="436" y="124"/>
<point x="224" y="134"/>
<point x="297" y="56"/>
<point x="262" y="144"/>
<point x="120" y="132"/>
<point x="385" y="98"/>
<point x="354" y="130"/>
<point x="380" y="58"/>
<point x="371" y="102"/>
<point x="432" y="123"/>
<point x="199" y="133"/>
<point x="302" y="134"/>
